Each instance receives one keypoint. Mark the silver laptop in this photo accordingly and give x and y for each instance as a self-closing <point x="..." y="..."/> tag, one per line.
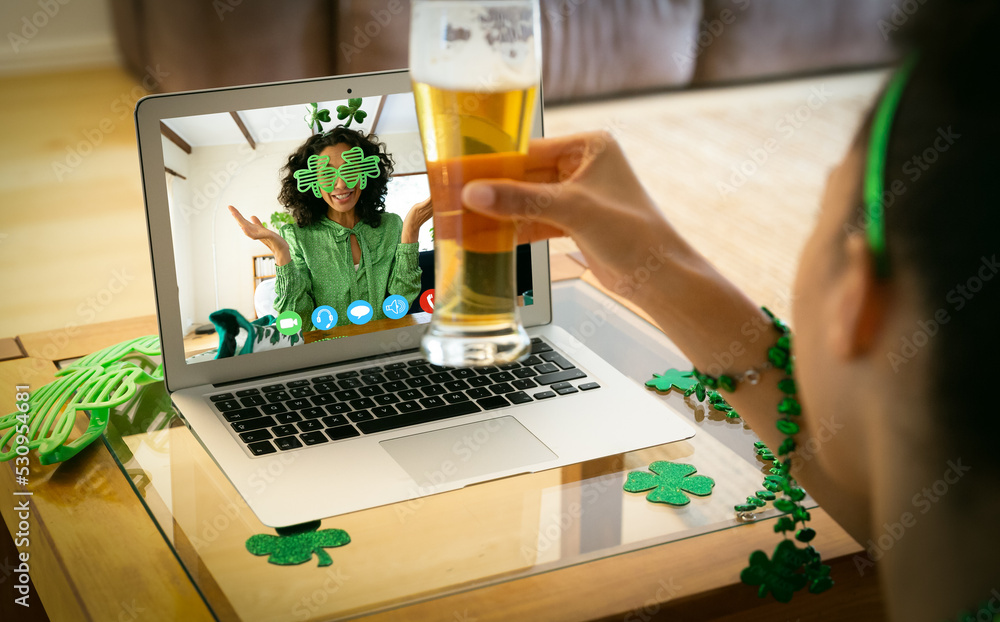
<point x="324" y="422"/>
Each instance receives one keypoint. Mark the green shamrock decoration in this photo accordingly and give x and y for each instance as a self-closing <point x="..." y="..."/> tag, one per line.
<point x="673" y="379"/>
<point x="669" y="482"/>
<point x="715" y="398"/>
<point x="296" y="545"/>
<point x="316" y="117"/>
<point x="687" y="381"/>
<point x="777" y="575"/>
<point x="352" y="111"/>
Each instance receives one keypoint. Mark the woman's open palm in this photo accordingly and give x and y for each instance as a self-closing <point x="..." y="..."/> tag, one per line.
<point x="255" y="230"/>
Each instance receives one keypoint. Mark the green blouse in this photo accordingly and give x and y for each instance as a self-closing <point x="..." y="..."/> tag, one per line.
<point x="322" y="272"/>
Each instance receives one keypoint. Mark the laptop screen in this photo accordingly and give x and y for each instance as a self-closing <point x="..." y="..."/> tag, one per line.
<point x="355" y="264"/>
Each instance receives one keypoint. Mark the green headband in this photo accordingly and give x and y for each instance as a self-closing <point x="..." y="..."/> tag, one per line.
<point x="878" y="148"/>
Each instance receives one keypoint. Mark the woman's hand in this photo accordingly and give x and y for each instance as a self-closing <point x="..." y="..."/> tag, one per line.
<point x="254" y="230"/>
<point x="583" y="186"/>
<point x="415" y="218"/>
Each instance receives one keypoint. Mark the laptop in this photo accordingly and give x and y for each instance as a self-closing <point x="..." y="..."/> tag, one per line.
<point x="322" y="422"/>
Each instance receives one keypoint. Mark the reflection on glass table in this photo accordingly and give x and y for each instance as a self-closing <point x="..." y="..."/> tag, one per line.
<point x="435" y="545"/>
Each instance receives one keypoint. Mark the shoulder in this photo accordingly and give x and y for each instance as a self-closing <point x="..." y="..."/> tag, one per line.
<point x="391" y="224"/>
<point x="392" y="219"/>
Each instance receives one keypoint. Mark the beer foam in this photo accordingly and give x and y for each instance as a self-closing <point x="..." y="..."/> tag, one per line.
<point x="468" y="62"/>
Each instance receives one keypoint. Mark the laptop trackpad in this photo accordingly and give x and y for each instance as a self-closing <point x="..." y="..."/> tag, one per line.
<point x="470" y="450"/>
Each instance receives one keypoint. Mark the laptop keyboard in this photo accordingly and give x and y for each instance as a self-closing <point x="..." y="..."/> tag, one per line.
<point x="283" y="416"/>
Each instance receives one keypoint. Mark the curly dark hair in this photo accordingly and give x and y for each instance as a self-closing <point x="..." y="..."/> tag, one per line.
<point x="306" y="208"/>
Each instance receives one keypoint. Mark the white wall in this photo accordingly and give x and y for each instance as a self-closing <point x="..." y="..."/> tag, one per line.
<point x="407" y="151"/>
<point x="177" y="160"/>
<point x="50" y="35"/>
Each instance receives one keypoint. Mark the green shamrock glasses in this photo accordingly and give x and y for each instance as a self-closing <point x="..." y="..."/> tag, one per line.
<point x="319" y="175"/>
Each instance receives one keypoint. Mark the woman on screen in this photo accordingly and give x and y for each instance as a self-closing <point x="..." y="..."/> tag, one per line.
<point x="343" y="246"/>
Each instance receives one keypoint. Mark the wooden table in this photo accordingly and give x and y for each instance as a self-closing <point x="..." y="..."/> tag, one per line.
<point x="96" y="554"/>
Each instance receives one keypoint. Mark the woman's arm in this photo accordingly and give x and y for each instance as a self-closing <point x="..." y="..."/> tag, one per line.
<point x="293" y="286"/>
<point x="254" y="230"/>
<point x="404" y="273"/>
<point x="583" y="186"/>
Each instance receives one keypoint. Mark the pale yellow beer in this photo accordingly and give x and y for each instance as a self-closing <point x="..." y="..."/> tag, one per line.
<point x="476" y="136"/>
<point x="475" y="68"/>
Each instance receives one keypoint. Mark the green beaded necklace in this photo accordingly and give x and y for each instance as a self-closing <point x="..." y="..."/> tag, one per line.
<point x="789" y="568"/>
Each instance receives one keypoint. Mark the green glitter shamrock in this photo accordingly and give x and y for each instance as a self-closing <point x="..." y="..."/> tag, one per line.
<point x="673" y="379"/>
<point x="669" y="482"/>
<point x="777" y="575"/>
<point x="352" y="111"/>
<point x="296" y="545"/>
<point x="316" y="117"/>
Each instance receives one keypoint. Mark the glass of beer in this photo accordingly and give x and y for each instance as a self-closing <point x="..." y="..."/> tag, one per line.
<point x="475" y="67"/>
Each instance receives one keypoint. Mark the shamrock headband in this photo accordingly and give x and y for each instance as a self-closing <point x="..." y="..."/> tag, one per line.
<point x="878" y="148"/>
<point x="319" y="175"/>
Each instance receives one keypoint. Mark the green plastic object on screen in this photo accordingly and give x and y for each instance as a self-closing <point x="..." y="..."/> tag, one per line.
<point x="319" y="175"/>
<point x="352" y="111"/>
<point x="97" y="383"/>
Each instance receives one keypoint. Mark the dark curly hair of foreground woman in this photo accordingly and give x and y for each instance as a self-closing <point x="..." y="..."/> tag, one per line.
<point x="306" y="208"/>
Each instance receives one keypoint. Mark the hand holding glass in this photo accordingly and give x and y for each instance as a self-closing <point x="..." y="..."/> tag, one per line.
<point x="475" y="68"/>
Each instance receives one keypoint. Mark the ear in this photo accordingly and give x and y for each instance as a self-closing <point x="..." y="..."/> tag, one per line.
<point x="860" y="303"/>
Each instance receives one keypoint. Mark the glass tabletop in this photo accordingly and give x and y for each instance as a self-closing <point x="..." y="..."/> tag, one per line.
<point x="431" y="546"/>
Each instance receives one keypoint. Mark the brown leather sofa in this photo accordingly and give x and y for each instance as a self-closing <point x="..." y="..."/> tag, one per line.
<point x="592" y="48"/>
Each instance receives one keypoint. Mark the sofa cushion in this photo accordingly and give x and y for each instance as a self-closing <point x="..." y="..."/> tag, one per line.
<point x="766" y="38"/>
<point x="607" y="47"/>
<point x="196" y="45"/>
